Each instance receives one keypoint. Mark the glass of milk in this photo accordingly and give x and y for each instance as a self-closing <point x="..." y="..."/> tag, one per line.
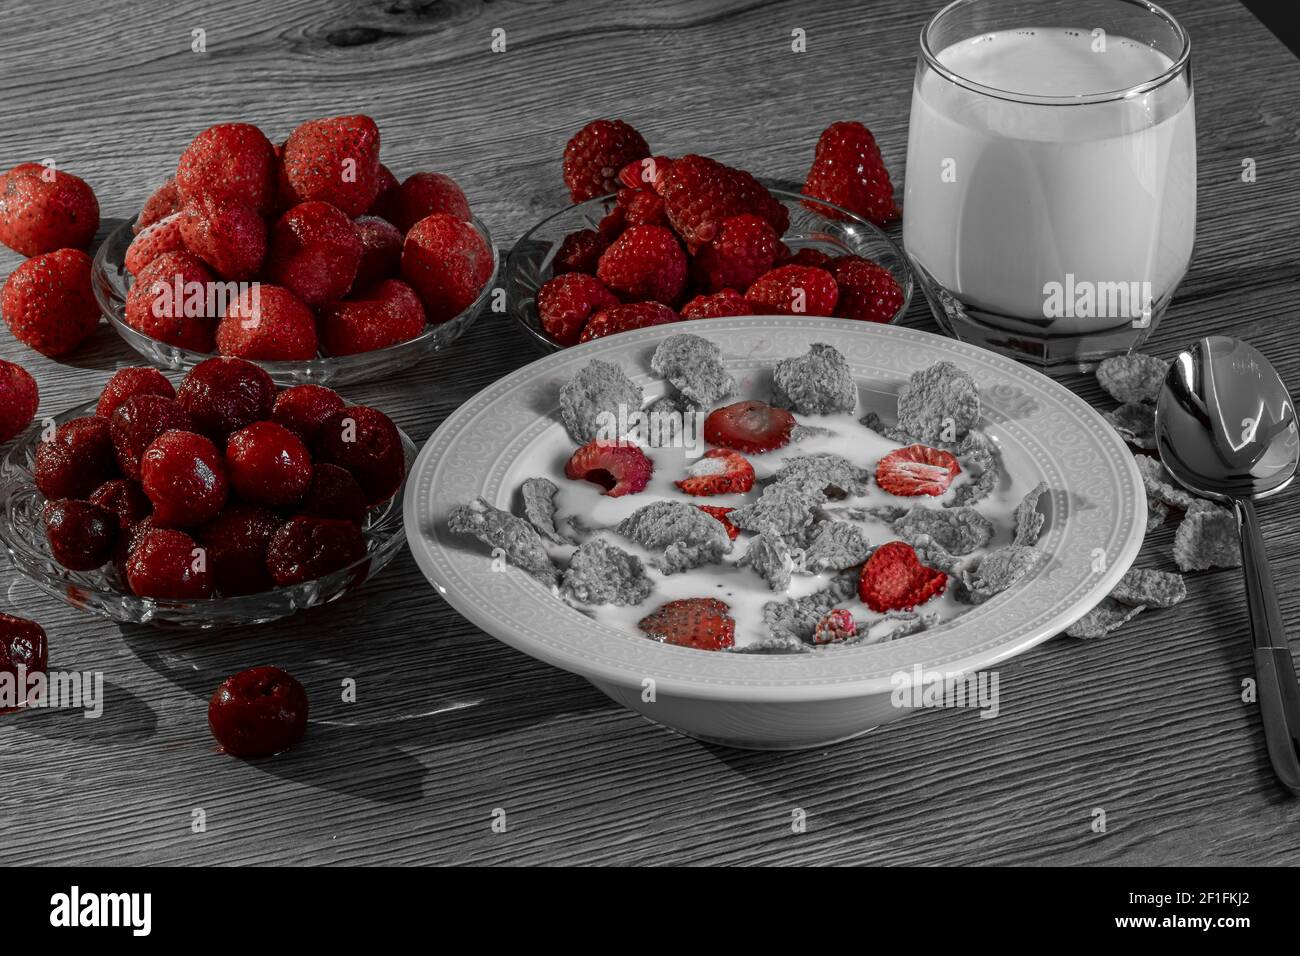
<point x="1050" y="204"/>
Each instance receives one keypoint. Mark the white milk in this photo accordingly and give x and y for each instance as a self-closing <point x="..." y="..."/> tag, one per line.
<point x="1004" y="197"/>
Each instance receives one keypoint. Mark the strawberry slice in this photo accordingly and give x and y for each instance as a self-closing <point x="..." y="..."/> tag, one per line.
<point x="702" y="623"/>
<point x="713" y="511"/>
<point x="719" y="472"/>
<point x="619" y="469"/>
<point x="750" y="426"/>
<point x="917" y="470"/>
<point x="894" y="579"/>
<point x="837" y="625"/>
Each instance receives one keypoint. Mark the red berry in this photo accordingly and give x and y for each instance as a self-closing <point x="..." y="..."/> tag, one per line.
<point x="565" y="303"/>
<point x="646" y="173"/>
<point x="719" y="305"/>
<point x="269" y="323"/>
<point x="152" y="241"/>
<point x="448" y="263"/>
<point x="43" y="209"/>
<point x="19" y="399"/>
<point x="718" y="472"/>
<point x="579" y="252"/>
<point x="381" y="251"/>
<point x="229" y="162"/>
<point x="124" y="500"/>
<point x="80" y="533"/>
<point x="164" y="201"/>
<point x="48" y="302"/>
<point x="306" y="549"/>
<point x="794" y="290"/>
<point x="713" y="511"/>
<point x="138" y="421"/>
<point x="258" y="712"/>
<point x="23" y="644"/>
<point x="421" y="195"/>
<point x="230" y="237"/>
<point x="917" y="470"/>
<point x="236" y="542"/>
<point x="596" y="154"/>
<point x="367" y="443"/>
<point x="642" y="207"/>
<point x="838" y="625"/>
<point x="223" y="395"/>
<point x="185" y="477"/>
<point x="702" y="623"/>
<point x="170" y="301"/>
<point x="315" y="252"/>
<point x="619" y="469"/>
<point x="893" y="579"/>
<point x="76" y="459"/>
<point x="644" y="263"/>
<point x="168" y="565"/>
<point x="130" y="382"/>
<point x="624" y="318"/>
<point x="334" y="160"/>
<point x="700" y="193"/>
<point x="382" y="316"/>
<point x="387" y="183"/>
<point x="334" y="493"/>
<point x="267" y="464"/>
<point x="303" y="409"/>
<point x="743" y="249"/>
<point x="848" y="171"/>
<point x="749" y="426"/>
<point x="868" y="292"/>
<point x="807" y="256"/>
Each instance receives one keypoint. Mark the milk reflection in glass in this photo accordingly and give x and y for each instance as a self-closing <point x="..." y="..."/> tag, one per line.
<point x="1061" y="215"/>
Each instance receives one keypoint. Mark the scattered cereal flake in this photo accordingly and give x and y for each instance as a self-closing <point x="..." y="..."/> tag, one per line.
<point x="929" y="553"/>
<point x="1134" y="377"/>
<point x="834" y="474"/>
<point x="892" y="432"/>
<point x="1029" y="520"/>
<point x="1157" y="512"/>
<point x="976" y="449"/>
<point x="1102" y="619"/>
<point x="1207" y="537"/>
<point x="771" y="557"/>
<point x="518" y="540"/>
<point x="773" y="645"/>
<point x="1156" y="479"/>
<point x="786" y="507"/>
<point x="1142" y="586"/>
<point x="691" y="364"/>
<point x="688" y="537"/>
<point x="816" y="383"/>
<point x="939" y="403"/>
<point x="835" y="546"/>
<point x="805" y="432"/>
<point x="997" y="571"/>
<point x="539" y="508"/>
<point x="671" y="405"/>
<point x="1136" y="424"/>
<point x="796" y="618"/>
<point x="599" y="389"/>
<point x="600" y="573"/>
<point x="579" y="526"/>
<point x="956" y="530"/>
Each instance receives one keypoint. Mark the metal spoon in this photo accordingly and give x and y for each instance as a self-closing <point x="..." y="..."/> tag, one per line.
<point x="1226" y="429"/>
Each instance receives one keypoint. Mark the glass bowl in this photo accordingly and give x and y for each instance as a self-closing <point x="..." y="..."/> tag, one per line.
<point x="111" y="283"/>
<point x="529" y="263"/>
<point x="103" y="592"/>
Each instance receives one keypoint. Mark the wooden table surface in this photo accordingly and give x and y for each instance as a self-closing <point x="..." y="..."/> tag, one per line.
<point x="449" y="724"/>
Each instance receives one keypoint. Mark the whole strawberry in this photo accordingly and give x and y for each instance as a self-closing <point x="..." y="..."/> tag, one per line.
<point x="48" y="302"/>
<point x="744" y="248"/>
<point x="19" y="398"/>
<point x="596" y="154"/>
<point x="152" y="241"/>
<point x="645" y="262"/>
<point x="229" y="163"/>
<point x="720" y="304"/>
<point x="43" y="209"/>
<point x="848" y="170"/>
<point x="448" y="263"/>
<point x="169" y="302"/>
<point x="868" y="291"/>
<point x="230" y="238"/>
<point x="315" y="252"/>
<point x="384" y="315"/>
<point x="700" y="193"/>
<point x="269" y="323"/>
<point x="387" y="183"/>
<point x="334" y="160"/>
<point x="164" y="201"/>
<point x="565" y="303"/>
<point x="381" y="251"/>
<point x="421" y="195"/>
<point x="794" y="290"/>
<point x="624" y="318"/>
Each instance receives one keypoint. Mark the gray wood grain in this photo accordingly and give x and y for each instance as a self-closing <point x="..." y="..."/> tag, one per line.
<point x="1147" y="725"/>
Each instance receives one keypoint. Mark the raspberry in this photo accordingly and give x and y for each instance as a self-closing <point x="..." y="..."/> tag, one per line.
<point x="642" y="207"/>
<point x="230" y="238"/>
<point x="48" y="302"/>
<point x="381" y="251"/>
<point x="718" y="472"/>
<point x="268" y="323"/>
<point x="368" y="444"/>
<point x="646" y="173"/>
<point x="185" y="477"/>
<point x="917" y="470"/>
<point x="43" y="209"/>
<point x="130" y="382"/>
<point x="307" y="549"/>
<point x="303" y="409"/>
<point x="848" y="170"/>
<point x="807" y="256"/>
<point x="421" y="195"/>
<point x="579" y="252"/>
<point x="385" y="315"/>
<point x="838" y="625"/>
<point x="137" y="422"/>
<point x="448" y="263"/>
<point x="624" y="318"/>
<point x="744" y="248"/>
<point x="268" y="465"/>
<point x="223" y="395"/>
<point x="893" y="579"/>
<point x="722" y="303"/>
<point x="701" y="623"/>
<point x="794" y="290"/>
<point x="168" y="565"/>
<point x="619" y="469"/>
<point x="868" y="291"/>
<point x="152" y="241"/>
<point x="19" y="399"/>
<point x="161" y="305"/>
<point x="565" y="303"/>
<point x="80" y="533"/>
<point x="315" y="252"/>
<point x="596" y="154"/>
<point x="258" y="712"/>
<point x="749" y="426"/>
<point x="644" y="263"/>
<point x="227" y="163"/>
<point x="76" y="460"/>
<point x="699" y="193"/>
<point x="236" y="542"/>
<point x="713" y="511"/>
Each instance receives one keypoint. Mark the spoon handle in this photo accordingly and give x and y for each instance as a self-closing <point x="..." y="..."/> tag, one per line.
<point x="1279" y="695"/>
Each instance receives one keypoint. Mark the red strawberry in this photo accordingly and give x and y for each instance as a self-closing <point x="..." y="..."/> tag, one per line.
<point x="229" y="163"/>
<point x="719" y="472"/>
<point x="422" y="195"/>
<point x="848" y="170"/>
<point x="152" y="241"/>
<point x="749" y="426"/>
<point x="315" y="252"/>
<point x="645" y="262"/>
<point x="231" y="238"/>
<point x="624" y="318"/>
<point x="868" y="291"/>
<point x="385" y="315"/>
<point x="619" y="469"/>
<point x="642" y="207"/>
<point x="701" y="623"/>
<point x="807" y="256"/>
<point x="381" y="251"/>
<point x="448" y="263"/>
<point x="722" y="303"/>
<point x="170" y="301"/>
<point x="566" y="302"/>
<point x="917" y="470"/>
<point x="164" y="201"/>
<point x="744" y="248"/>
<point x="48" y="302"/>
<point x="270" y="323"/>
<point x="303" y="409"/>
<point x="579" y="252"/>
<point x="43" y="209"/>
<point x="699" y="193"/>
<point x="837" y="625"/>
<point x="596" y="154"/>
<point x="334" y="160"/>
<point x="794" y="290"/>
<point x="387" y="183"/>
<point x="645" y="173"/>
<point x="893" y="579"/>
<point x="19" y="398"/>
<point x="713" y="511"/>
<point x="128" y="383"/>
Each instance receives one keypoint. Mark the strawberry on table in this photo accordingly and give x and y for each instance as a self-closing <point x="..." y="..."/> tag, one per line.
<point x="745" y="247"/>
<point x="868" y="291"/>
<point x="644" y="263"/>
<point x="229" y="163"/>
<point x="595" y="155"/>
<point x="448" y="263"/>
<point x="565" y="303"/>
<point x="618" y="468"/>
<point x="794" y="290"/>
<point x="750" y="426"/>
<point x="333" y="160"/>
<point x="917" y="470"/>
<point x="719" y="471"/>
<point x="848" y="170"/>
<point x="624" y="318"/>
<point x="382" y="316"/>
<point x="894" y="579"/>
<point x="48" y="302"/>
<point x="720" y="304"/>
<point x="43" y="209"/>
<point x="268" y="323"/>
<point x="19" y="398"/>
<point x="315" y="252"/>
<point x="701" y="623"/>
